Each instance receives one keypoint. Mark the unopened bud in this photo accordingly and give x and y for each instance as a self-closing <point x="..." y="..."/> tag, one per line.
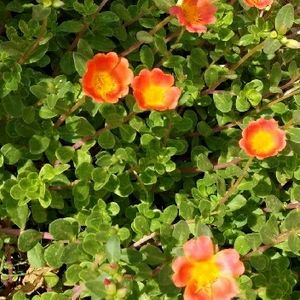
<point x="106" y="281"/>
<point x="121" y="293"/>
<point x="273" y="34"/>
<point x="111" y="289"/>
<point x="293" y="44"/>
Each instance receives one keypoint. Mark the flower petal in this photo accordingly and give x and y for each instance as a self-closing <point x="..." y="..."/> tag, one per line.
<point x="153" y="90"/>
<point x="193" y="293"/>
<point x="199" y="249"/>
<point x="260" y="4"/>
<point x="182" y="268"/>
<point x="263" y="138"/>
<point x="104" y="62"/>
<point x="160" y="78"/>
<point x="107" y="77"/>
<point x="195" y="14"/>
<point x="229" y="262"/>
<point x="172" y="97"/>
<point x="225" y="288"/>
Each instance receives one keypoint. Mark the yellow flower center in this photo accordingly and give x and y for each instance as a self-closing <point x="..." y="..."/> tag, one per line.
<point x="190" y="12"/>
<point x="262" y="141"/>
<point x="155" y="95"/>
<point x="104" y="83"/>
<point x="204" y="273"/>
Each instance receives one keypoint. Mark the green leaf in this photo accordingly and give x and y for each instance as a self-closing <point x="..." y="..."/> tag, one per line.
<point x="284" y="19"/>
<point x="140" y="225"/>
<point x="11" y="153"/>
<point x="80" y="62"/>
<point x="38" y="144"/>
<point x="65" y="153"/>
<point x="294" y="134"/>
<point x="100" y="177"/>
<point x="28" y="239"/>
<point x="53" y="255"/>
<point x="292" y="220"/>
<point x="146" y="56"/>
<point x="19" y="295"/>
<point x="61" y="229"/>
<point x="236" y="203"/>
<point x="125" y="187"/>
<point x="164" y="5"/>
<point x="127" y="133"/>
<point x="241" y="244"/>
<point x="203" y="163"/>
<point x="113" y="249"/>
<point x="169" y="214"/>
<point x="211" y="75"/>
<point x="273" y="203"/>
<point x="72" y="274"/>
<point x="36" y="256"/>
<point x="96" y="287"/>
<point x="294" y="242"/>
<point x="271" y="46"/>
<point x="70" y="26"/>
<point x="18" y="214"/>
<point x="152" y="255"/>
<point x="269" y="231"/>
<point x="106" y="140"/>
<point x="223" y="102"/>
<point x="13" y="106"/>
<point x="199" y="57"/>
<point x="40" y="12"/>
<point x="181" y="232"/>
<point x="144" y="37"/>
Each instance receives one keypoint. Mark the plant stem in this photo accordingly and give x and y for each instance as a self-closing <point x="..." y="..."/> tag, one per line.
<point x="216" y="167"/>
<point x="86" y="26"/>
<point x="282" y="237"/>
<point x="144" y="239"/>
<point x="156" y="28"/>
<point x="17" y="232"/>
<point x="234" y="67"/>
<point x="64" y="116"/>
<point x="290" y="93"/>
<point x="36" y="43"/>
<point x="237" y="182"/>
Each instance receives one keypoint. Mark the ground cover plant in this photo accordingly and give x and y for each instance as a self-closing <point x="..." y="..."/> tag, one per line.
<point x="149" y="149"/>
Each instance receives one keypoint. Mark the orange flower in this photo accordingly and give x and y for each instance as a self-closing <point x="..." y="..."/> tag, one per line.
<point x="107" y="77"/>
<point x="154" y="90"/>
<point x="260" y="4"/>
<point x="207" y="276"/>
<point x="262" y="138"/>
<point x="194" y="14"/>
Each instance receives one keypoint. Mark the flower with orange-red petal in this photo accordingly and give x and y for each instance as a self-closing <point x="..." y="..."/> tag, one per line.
<point x="195" y="14"/>
<point x="107" y="77"/>
<point x="207" y="275"/>
<point x="154" y="90"/>
<point x="260" y="4"/>
<point x="263" y="138"/>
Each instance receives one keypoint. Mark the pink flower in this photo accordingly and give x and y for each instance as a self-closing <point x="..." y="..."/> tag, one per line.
<point x="207" y="275"/>
<point x="260" y="4"/>
<point x="263" y="138"/>
<point x="107" y="77"/>
<point x="195" y="14"/>
<point x="155" y="90"/>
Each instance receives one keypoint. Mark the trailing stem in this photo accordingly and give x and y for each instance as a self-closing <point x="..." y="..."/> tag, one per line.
<point x="235" y="185"/>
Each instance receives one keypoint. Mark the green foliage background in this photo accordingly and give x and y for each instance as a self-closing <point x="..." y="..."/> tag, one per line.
<point x="92" y="191"/>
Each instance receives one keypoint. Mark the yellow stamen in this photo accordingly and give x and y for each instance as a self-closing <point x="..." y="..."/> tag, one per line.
<point x="190" y="12"/>
<point x="155" y="95"/>
<point x="205" y="273"/>
<point x="104" y="83"/>
<point x="262" y="141"/>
